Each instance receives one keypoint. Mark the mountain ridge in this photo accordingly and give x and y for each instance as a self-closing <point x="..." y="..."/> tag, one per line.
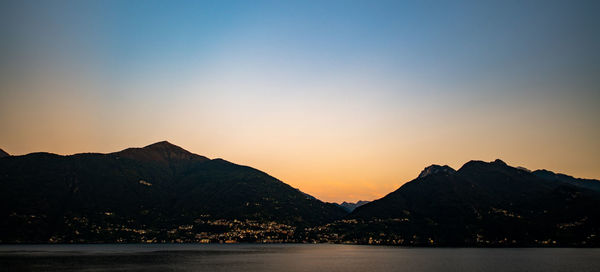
<point x="435" y="169"/>
<point x="351" y="206"/>
<point x="164" y="193"/>
<point x="490" y="200"/>
<point x="44" y="196"/>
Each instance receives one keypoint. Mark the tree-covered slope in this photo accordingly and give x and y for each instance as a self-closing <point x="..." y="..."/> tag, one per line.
<point x="162" y="186"/>
<point x="484" y="204"/>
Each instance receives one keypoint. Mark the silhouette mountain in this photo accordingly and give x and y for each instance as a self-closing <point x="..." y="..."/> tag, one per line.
<point x="3" y="153"/>
<point x="161" y="186"/>
<point x="583" y="183"/>
<point x="349" y="206"/>
<point x="436" y="169"/>
<point x="161" y="152"/>
<point x="489" y="204"/>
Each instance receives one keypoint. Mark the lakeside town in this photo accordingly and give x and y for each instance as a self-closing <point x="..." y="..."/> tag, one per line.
<point x="223" y="231"/>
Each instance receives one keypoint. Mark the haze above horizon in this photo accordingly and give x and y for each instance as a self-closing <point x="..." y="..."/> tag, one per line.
<point x="346" y="100"/>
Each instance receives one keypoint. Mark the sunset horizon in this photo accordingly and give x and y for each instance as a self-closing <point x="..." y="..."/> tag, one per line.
<point x="330" y="135"/>
<point x="319" y="192"/>
<point x="346" y="101"/>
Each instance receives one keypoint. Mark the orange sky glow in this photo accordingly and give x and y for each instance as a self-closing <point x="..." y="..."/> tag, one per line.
<point x="345" y="105"/>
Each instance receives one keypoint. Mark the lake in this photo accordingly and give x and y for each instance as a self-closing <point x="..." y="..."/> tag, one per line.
<point x="291" y="257"/>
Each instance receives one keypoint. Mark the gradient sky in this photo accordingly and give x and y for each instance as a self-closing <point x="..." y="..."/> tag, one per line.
<point x="345" y="100"/>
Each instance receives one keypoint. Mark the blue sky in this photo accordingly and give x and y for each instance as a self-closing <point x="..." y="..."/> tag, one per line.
<point x="322" y="94"/>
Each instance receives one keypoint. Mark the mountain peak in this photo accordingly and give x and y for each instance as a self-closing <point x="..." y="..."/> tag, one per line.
<point x="477" y="164"/>
<point x="349" y="206"/>
<point x="163" y="145"/>
<point x="500" y="162"/>
<point x="434" y="169"/>
<point x="160" y="151"/>
<point x="3" y="153"/>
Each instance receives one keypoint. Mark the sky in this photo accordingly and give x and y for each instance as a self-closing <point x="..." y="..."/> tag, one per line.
<point x="345" y="100"/>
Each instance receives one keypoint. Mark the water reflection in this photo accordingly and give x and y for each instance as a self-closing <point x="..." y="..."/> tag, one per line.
<point x="290" y="257"/>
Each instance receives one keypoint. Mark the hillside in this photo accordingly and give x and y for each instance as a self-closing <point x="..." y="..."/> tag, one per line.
<point x="141" y="193"/>
<point x="481" y="204"/>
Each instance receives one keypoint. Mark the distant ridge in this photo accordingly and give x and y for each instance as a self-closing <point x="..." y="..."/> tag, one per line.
<point x="349" y="206"/>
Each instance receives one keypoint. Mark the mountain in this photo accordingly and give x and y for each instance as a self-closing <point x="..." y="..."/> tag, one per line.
<point x="3" y="153"/>
<point x="481" y="204"/>
<point x="583" y="183"/>
<point x="436" y="169"/>
<point x="349" y="206"/>
<point x="143" y="193"/>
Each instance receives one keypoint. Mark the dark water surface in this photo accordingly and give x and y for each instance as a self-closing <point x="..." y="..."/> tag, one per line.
<point x="290" y="257"/>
